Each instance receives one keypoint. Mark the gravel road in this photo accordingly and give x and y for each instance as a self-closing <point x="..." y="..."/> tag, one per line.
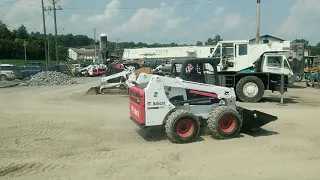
<point x="59" y="133"/>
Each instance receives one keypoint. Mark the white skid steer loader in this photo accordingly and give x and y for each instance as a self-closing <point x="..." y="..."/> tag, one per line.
<point x="183" y="103"/>
<point x="118" y="83"/>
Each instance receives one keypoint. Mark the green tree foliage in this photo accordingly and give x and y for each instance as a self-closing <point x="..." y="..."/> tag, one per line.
<point x="199" y="43"/>
<point x="213" y="41"/>
<point x="22" y="32"/>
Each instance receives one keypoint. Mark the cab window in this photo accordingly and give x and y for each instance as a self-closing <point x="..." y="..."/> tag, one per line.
<point x="217" y="53"/>
<point x="274" y="61"/>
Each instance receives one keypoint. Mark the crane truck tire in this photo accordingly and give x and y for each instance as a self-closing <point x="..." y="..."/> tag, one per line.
<point x="224" y="122"/>
<point x="182" y="127"/>
<point x="250" y="89"/>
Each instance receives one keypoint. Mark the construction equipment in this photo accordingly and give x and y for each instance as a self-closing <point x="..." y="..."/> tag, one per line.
<point x="115" y="84"/>
<point x="193" y="99"/>
<point x="312" y="71"/>
<point x="252" y="69"/>
<point x="92" y="70"/>
<point x="119" y="77"/>
<point x="175" y="52"/>
<point x="251" y="83"/>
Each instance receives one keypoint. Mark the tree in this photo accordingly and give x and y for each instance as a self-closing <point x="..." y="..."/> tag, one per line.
<point x="199" y="43"/>
<point x="4" y="32"/>
<point x="213" y="41"/>
<point x="216" y="39"/>
<point x="209" y="42"/>
<point x="22" y="32"/>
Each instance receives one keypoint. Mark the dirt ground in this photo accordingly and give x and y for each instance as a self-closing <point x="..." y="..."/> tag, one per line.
<point x="58" y="133"/>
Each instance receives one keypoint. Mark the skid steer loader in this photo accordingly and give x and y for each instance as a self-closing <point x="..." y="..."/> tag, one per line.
<point x="117" y="81"/>
<point x="189" y="100"/>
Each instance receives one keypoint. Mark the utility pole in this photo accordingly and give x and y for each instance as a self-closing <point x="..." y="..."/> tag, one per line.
<point x="54" y="9"/>
<point x="258" y="22"/>
<point x="117" y="46"/>
<point x="48" y="51"/>
<point x="95" y="47"/>
<point x="44" y="34"/>
<point x="25" y="49"/>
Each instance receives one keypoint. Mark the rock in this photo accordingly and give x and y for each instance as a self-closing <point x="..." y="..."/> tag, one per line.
<point x="49" y="78"/>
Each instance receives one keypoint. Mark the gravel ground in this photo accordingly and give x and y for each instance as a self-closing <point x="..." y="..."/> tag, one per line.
<point x="55" y="132"/>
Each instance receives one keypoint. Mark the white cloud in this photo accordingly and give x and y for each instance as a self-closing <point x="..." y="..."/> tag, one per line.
<point x="173" y="23"/>
<point x="219" y="10"/>
<point x="303" y="20"/>
<point x="110" y="11"/>
<point x="27" y="12"/>
<point x="233" y="20"/>
<point x="75" y="18"/>
<point x="145" y="19"/>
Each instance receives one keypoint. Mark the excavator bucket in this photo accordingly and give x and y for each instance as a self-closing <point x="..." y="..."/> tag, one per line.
<point x="93" y="91"/>
<point x="253" y="119"/>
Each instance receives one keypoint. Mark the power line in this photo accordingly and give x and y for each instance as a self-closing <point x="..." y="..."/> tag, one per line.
<point x="120" y="8"/>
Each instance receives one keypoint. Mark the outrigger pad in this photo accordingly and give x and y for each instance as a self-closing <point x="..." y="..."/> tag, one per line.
<point x="253" y="119"/>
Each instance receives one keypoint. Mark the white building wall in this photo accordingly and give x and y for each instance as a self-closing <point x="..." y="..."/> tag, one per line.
<point x="72" y="54"/>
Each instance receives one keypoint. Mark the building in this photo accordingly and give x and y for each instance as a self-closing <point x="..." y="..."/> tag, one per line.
<point x="266" y="39"/>
<point x="82" y="54"/>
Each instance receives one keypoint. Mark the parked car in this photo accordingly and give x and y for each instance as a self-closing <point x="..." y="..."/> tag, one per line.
<point x="28" y="71"/>
<point x="9" y="72"/>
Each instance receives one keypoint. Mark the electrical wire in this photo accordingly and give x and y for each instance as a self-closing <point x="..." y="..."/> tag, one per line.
<point x="119" y="8"/>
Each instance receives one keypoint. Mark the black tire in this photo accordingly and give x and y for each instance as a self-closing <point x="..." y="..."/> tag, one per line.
<point x="3" y="78"/>
<point x="174" y="122"/>
<point x="250" y="79"/>
<point x="218" y="116"/>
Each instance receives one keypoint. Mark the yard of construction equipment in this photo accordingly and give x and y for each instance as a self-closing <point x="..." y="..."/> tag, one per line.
<point x="56" y="132"/>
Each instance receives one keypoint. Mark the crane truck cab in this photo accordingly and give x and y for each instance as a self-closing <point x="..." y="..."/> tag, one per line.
<point x="274" y="63"/>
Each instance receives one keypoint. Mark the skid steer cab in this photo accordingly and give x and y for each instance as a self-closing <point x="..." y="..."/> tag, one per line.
<point x="191" y="99"/>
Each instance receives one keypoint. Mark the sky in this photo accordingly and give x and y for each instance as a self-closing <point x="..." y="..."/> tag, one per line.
<point x="166" y="21"/>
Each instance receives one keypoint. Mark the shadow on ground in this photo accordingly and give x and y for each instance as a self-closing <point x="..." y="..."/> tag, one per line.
<point x="156" y="135"/>
<point x="260" y="133"/>
<point x="297" y="87"/>
<point x="159" y="135"/>
<point x="286" y="100"/>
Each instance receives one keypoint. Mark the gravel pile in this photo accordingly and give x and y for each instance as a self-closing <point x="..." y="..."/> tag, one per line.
<point x="49" y="78"/>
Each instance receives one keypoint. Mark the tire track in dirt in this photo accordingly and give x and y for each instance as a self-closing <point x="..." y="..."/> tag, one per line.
<point x="18" y="170"/>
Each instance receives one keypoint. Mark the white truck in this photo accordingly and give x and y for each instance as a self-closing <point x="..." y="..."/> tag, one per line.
<point x="252" y="69"/>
